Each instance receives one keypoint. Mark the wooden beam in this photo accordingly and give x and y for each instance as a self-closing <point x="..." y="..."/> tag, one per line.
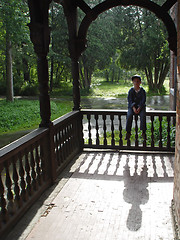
<point x="168" y="4"/>
<point x="58" y="1"/>
<point x="161" y="13"/>
<point x="83" y="6"/>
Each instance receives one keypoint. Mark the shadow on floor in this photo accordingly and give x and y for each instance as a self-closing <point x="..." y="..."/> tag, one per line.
<point x="136" y="170"/>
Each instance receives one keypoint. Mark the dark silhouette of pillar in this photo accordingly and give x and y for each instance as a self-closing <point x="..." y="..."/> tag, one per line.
<point x="76" y="47"/>
<point x="40" y="37"/>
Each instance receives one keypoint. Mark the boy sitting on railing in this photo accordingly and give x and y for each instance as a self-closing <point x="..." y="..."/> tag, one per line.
<point x="136" y="105"/>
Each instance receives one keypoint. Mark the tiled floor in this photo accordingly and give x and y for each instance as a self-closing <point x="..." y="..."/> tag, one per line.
<point x="109" y="196"/>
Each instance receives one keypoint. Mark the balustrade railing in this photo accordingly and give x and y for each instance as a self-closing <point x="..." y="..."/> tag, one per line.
<point x="67" y="138"/>
<point x="31" y="164"/>
<point x="106" y="129"/>
<point x="24" y="175"/>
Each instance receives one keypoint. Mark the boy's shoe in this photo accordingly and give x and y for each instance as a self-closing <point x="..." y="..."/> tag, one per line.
<point x="128" y="135"/>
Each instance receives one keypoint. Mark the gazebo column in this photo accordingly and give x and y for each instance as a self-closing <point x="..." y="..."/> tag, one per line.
<point x="44" y="98"/>
<point x="40" y="37"/>
<point x="76" y="47"/>
<point x="75" y="76"/>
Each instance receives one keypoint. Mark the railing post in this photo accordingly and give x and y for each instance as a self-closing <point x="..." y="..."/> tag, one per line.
<point x="89" y="129"/>
<point x="160" y="131"/>
<point x="120" y="131"/>
<point x="136" y="130"/>
<point x="52" y="154"/>
<point x="49" y="155"/>
<point x="97" y="127"/>
<point x="80" y="131"/>
<point x="104" y="129"/>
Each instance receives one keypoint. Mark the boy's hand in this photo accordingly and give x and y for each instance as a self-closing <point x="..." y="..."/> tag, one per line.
<point x="136" y="111"/>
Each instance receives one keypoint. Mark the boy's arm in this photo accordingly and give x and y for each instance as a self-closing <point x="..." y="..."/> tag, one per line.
<point x="143" y="99"/>
<point x="131" y="103"/>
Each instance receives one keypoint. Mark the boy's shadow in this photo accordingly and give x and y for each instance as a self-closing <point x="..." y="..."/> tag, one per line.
<point x="135" y="193"/>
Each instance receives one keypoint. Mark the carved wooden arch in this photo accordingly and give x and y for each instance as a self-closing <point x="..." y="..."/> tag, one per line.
<point x="40" y="36"/>
<point x="160" y="11"/>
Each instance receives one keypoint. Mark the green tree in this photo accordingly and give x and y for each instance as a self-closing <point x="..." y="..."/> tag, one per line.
<point x="14" y="35"/>
<point x="101" y="47"/>
<point x="143" y="45"/>
<point x="59" y="55"/>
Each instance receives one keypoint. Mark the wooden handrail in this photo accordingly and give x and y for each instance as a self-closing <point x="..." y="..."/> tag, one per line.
<point x="31" y="164"/>
<point x="99" y="129"/>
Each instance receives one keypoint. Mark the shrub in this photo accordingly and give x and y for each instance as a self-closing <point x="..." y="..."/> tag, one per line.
<point x="29" y="89"/>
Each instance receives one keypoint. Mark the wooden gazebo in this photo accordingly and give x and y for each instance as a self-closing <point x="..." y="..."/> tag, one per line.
<point x="40" y="36"/>
<point x="31" y="164"/>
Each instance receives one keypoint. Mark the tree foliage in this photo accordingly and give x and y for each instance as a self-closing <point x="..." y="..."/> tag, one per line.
<point x="143" y="44"/>
<point x="120" y="39"/>
<point x="101" y="47"/>
<point x="59" y="54"/>
<point x="15" y="39"/>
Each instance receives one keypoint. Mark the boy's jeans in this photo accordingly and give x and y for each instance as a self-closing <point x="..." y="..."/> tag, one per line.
<point x="129" y="119"/>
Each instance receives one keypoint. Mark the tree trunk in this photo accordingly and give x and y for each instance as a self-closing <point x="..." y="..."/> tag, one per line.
<point x="57" y="72"/>
<point x="162" y="75"/>
<point x="52" y="58"/>
<point x="9" y="71"/>
<point x="107" y="75"/>
<point x="160" y="72"/>
<point x="86" y="80"/>
<point x="51" y="75"/>
<point x="82" y="76"/>
<point x="85" y="75"/>
<point x="112" y="76"/>
<point x="113" y="70"/>
<point x="26" y="70"/>
<point x="149" y="76"/>
<point x="156" y="72"/>
<point x="89" y="78"/>
<point x="119" y="74"/>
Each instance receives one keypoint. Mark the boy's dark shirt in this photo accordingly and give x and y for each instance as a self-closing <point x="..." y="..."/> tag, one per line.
<point x="137" y="99"/>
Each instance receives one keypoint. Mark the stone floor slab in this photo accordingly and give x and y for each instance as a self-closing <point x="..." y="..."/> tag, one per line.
<point x="110" y="196"/>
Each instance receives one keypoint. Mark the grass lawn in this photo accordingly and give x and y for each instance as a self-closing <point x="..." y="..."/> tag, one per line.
<point x="25" y="114"/>
<point x="100" y="88"/>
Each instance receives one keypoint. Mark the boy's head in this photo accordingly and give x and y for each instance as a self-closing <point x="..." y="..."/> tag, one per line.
<point x="136" y="79"/>
<point x="136" y="76"/>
